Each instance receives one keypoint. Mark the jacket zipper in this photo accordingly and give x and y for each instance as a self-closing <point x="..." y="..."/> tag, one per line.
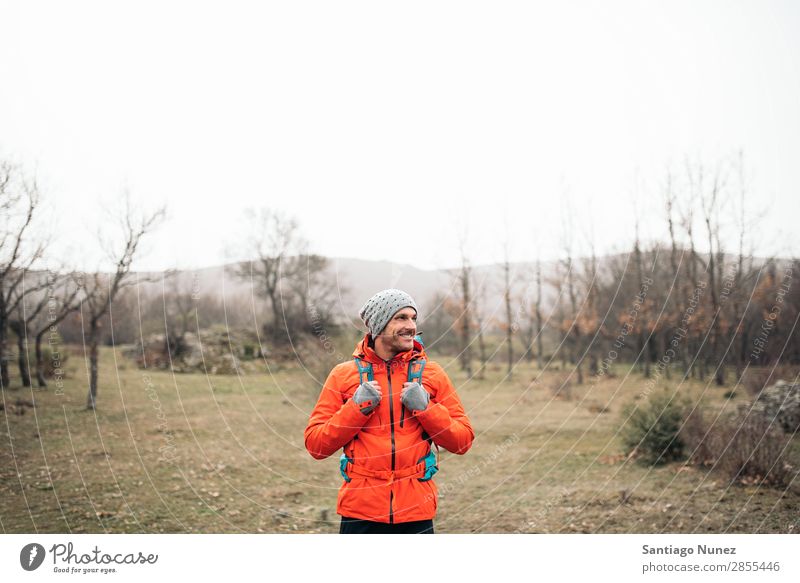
<point x="391" y="424"/>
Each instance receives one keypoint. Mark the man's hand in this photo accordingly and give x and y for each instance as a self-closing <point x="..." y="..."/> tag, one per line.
<point x="368" y="396"/>
<point x="414" y="397"/>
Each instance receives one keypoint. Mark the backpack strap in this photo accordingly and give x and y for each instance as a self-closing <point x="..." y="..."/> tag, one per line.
<point x="364" y="369"/>
<point x="415" y="368"/>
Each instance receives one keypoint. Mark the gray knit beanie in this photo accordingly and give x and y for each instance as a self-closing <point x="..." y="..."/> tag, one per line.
<point x="381" y="307"/>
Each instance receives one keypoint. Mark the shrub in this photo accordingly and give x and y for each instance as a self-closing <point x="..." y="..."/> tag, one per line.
<point x="698" y="438"/>
<point x="651" y="428"/>
<point x="751" y="449"/>
<point x="745" y="447"/>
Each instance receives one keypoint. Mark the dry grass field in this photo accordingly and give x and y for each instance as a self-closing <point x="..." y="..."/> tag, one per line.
<point x="195" y="453"/>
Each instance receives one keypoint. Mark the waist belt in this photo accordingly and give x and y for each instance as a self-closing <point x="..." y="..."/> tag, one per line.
<point x="423" y="470"/>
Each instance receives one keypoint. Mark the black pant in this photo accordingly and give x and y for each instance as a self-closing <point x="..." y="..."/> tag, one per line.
<point x="358" y="526"/>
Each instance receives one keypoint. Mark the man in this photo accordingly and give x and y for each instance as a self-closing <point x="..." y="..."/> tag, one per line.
<point x="387" y="426"/>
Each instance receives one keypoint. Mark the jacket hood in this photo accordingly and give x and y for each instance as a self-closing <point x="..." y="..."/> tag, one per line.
<point x="364" y="352"/>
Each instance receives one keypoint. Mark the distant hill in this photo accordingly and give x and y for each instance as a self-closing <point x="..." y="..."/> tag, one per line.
<point x="358" y="279"/>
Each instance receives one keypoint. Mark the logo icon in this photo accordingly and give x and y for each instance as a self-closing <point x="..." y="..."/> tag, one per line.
<point x="31" y="556"/>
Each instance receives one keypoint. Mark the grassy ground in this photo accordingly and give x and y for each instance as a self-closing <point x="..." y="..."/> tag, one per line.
<point x="191" y="453"/>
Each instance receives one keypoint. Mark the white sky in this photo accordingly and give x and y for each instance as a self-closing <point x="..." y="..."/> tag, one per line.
<point x="382" y="126"/>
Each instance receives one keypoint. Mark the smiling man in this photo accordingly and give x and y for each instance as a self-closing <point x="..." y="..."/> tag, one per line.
<point x="388" y="409"/>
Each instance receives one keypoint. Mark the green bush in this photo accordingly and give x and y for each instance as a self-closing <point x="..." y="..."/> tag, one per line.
<point x="651" y="428"/>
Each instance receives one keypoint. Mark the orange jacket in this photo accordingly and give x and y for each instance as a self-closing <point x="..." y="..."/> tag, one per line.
<point x="387" y="444"/>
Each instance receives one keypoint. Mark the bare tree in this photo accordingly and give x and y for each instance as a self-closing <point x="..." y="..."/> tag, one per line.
<point x="293" y="281"/>
<point x="641" y="328"/>
<point x="19" y="253"/>
<point x="464" y="277"/>
<point x="533" y="313"/>
<point x="746" y="276"/>
<point x="273" y="239"/>
<point x="676" y="264"/>
<point x="590" y="319"/>
<point x="692" y="276"/>
<point x="180" y="308"/>
<point x="572" y="324"/>
<point x="509" y="323"/>
<point x="100" y="289"/>
<point x="62" y="299"/>
<point x="477" y="310"/>
<point x="710" y="205"/>
<point x="313" y="291"/>
<point x="538" y="315"/>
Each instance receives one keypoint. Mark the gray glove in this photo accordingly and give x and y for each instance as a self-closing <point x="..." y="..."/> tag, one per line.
<point x="367" y="396"/>
<point x="414" y="397"/>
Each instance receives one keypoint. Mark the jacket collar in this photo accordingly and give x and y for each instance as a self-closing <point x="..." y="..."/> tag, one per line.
<point x="364" y="352"/>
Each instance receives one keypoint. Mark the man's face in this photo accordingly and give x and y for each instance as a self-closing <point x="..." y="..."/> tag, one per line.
<point x="398" y="336"/>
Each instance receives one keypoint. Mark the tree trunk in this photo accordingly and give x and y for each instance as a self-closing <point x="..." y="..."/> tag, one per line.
<point x="91" y="399"/>
<point x="744" y="345"/>
<point x="466" y="356"/>
<point x="593" y="364"/>
<point x="276" y="317"/>
<point x="40" y="362"/>
<point x="509" y="322"/>
<point x="482" y="350"/>
<point x="4" y="377"/>
<point x="577" y="358"/>
<point x="539" y="343"/>
<point x="22" y="356"/>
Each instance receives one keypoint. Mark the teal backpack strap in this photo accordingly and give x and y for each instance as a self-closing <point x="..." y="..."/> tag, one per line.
<point x="343" y="467"/>
<point x="415" y="368"/>
<point x="431" y="459"/>
<point x="431" y="466"/>
<point x="364" y="369"/>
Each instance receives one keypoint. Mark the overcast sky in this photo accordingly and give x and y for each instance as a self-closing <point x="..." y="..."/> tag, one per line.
<point x="383" y="126"/>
